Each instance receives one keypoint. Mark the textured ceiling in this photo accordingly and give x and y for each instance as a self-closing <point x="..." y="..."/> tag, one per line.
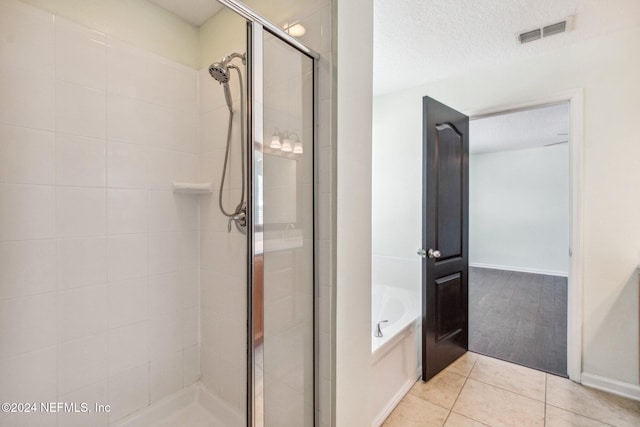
<point x="419" y="41"/>
<point x="519" y="130"/>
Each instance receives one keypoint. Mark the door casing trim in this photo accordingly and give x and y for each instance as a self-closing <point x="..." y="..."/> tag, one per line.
<point x="575" y="97"/>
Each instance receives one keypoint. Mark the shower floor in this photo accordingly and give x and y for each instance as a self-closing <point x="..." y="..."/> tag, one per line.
<point x="193" y="415"/>
<point x="192" y="407"/>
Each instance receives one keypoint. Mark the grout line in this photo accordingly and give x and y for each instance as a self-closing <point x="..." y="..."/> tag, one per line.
<point x="507" y="390"/>
<point x="581" y="415"/>
<point x="463" y="385"/>
<point x="544" y="420"/>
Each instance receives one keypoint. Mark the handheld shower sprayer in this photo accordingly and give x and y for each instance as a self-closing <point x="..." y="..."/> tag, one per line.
<point x="220" y="71"/>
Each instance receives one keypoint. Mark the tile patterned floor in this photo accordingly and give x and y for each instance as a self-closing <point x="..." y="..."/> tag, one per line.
<point x="478" y="391"/>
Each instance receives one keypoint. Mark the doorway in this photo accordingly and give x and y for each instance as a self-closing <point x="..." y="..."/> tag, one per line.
<point x="574" y="100"/>
<point x="519" y="232"/>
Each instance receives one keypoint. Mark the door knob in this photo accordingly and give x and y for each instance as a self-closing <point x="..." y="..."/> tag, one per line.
<point x="433" y="253"/>
<point x="421" y="252"/>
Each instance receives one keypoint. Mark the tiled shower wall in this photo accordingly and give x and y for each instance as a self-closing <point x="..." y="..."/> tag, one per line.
<point x="98" y="258"/>
<point x="223" y="267"/>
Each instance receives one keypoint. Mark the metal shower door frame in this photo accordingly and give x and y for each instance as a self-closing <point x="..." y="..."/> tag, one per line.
<point x="256" y="26"/>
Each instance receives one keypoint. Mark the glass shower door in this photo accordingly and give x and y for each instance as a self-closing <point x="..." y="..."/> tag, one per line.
<point x="283" y="222"/>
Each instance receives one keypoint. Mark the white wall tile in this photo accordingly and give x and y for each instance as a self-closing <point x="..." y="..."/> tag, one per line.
<point x="29" y="377"/>
<point x="82" y="262"/>
<point x="127" y="165"/>
<point x="128" y="301"/>
<point x="318" y="26"/>
<point x="185" y="166"/>
<point x="211" y="218"/>
<point x="165" y="294"/>
<point x="82" y="362"/>
<point x="27" y="268"/>
<point x="82" y="312"/>
<point x="165" y="335"/>
<point x="172" y="85"/>
<point x="80" y="212"/>
<point x="164" y="252"/>
<point x="165" y="376"/>
<point x="228" y="342"/>
<point x="171" y="129"/>
<point x="127" y="256"/>
<point x="190" y="327"/>
<point x="125" y="119"/>
<point x="224" y="252"/>
<point x="128" y="347"/>
<point x="191" y="365"/>
<point x="211" y="164"/>
<point x="80" y="110"/>
<point x="225" y="295"/>
<point x="160" y="169"/>
<point x="172" y="211"/>
<point x="26" y="212"/>
<point x="26" y="156"/>
<point x="27" y="98"/>
<point x="223" y="378"/>
<point x="190" y="285"/>
<point x="128" y="391"/>
<point x="213" y="129"/>
<point x="127" y="211"/>
<point x="80" y="161"/>
<point x="26" y="36"/>
<point x="127" y="68"/>
<point x="81" y="55"/>
<point x="27" y="324"/>
<point x="92" y="394"/>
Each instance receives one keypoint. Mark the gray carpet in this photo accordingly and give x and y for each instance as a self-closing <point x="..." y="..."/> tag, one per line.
<point x="519" y="317"/>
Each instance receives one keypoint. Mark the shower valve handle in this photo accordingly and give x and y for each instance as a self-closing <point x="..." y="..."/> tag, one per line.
<point x="239" y="218"/>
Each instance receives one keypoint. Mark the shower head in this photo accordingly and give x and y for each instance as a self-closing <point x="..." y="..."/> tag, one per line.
<point x="220" y="72"/>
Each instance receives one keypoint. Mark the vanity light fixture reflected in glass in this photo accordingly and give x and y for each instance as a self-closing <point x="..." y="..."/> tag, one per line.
<point x="288" y="143"/>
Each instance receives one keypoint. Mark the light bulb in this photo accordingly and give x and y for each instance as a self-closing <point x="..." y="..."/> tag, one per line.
<point x="275" y="141"/>
<point x="286" y="145"/>
<point x="297" y="147"/>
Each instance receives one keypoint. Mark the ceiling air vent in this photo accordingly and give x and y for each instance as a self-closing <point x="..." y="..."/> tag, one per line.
<point x="529" y="36"/>
<point x="552" y="29"/>
<point x="549" y="30"/>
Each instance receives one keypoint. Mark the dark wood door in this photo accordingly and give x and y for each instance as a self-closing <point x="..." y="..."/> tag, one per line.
<point x="445" y="219"/>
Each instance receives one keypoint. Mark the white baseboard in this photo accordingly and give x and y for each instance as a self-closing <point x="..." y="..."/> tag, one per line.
<point x="630" y="391"/>
<point x="383" y="415"/>
<point x="520" y="269"/>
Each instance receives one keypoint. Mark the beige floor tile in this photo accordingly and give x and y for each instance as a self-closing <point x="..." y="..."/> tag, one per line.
<point x="556" y="417"/>
<point x="457" y="420"/>
<point x="415" y="412"/>
<point x="592" y="403"/>
<point x="497" y="407"/>
<point x="463" y="365"/>
<point x="443" y="389"/>
<point x="518" y="379"/>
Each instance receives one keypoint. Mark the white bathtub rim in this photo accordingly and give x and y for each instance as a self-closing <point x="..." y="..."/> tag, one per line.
<point x="398" y="328"/>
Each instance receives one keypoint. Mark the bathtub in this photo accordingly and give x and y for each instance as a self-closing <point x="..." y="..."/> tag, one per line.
<point x="395" y="356"/>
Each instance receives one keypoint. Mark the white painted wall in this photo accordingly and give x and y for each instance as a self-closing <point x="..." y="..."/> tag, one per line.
<point x="519" y="210"/>
<point x="353" y="234"/>
<point x="607" y="68"/>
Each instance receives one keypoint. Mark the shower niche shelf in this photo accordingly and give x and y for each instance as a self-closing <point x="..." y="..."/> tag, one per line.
<point x="192" y="187"/>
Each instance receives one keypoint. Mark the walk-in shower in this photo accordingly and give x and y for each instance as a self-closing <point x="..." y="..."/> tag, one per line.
<point x="128" y="147"/>
<point x="220" y="71"/>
